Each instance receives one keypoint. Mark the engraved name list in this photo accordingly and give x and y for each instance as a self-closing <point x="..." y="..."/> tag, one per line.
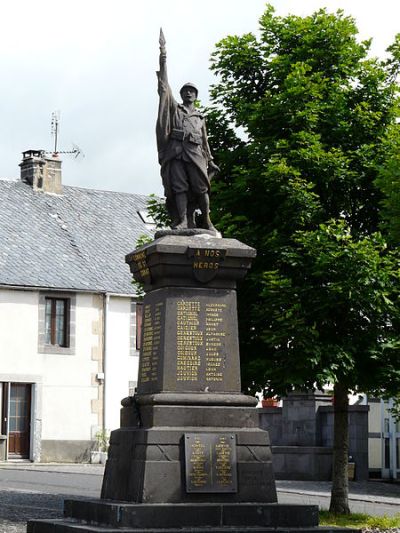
<point x="200" y="341"/>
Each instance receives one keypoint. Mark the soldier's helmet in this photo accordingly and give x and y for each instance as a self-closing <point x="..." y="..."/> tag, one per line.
<point x="189" y="84"/>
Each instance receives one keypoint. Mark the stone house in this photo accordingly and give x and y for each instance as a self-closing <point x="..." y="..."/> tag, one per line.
<point x="68" y="321"/>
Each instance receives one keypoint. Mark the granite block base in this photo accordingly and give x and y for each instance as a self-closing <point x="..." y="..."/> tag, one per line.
<point x="112" y="517"/>
<point x="148" y="466"/>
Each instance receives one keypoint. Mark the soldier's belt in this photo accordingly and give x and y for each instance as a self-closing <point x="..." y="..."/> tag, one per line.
<point x="180" y="135"/>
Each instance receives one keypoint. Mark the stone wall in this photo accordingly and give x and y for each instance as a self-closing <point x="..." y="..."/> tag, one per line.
<point x="301" y="434"/>
<point x="358" y="435"/>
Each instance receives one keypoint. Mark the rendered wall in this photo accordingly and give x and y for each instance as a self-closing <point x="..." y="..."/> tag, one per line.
<point x="122" y="359"/>
<point x="68" y="390"/>
<point x="65" y="392"/>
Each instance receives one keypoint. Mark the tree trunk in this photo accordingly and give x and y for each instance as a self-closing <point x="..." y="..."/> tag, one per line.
<point x="340" y="484"/>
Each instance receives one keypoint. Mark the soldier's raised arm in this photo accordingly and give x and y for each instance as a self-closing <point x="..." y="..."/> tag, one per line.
<point x="166" y="102"/>
<point x="162" y="74"/>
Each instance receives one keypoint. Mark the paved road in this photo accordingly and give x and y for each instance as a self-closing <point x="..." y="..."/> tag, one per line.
<point x="28" y="491"/>
<point x="373" y="497"/>
<point x="37" y="491"/>
<point x="73" y="480"/>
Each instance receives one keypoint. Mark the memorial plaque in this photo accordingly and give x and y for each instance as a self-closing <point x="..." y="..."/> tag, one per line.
<point x="210" y="462"/>
<point x="152" y="337"/>
<point x="203" y="341"/>
<point x="189" y="342"/>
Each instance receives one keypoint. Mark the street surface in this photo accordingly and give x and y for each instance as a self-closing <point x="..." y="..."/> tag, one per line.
<point x="37" y="491"/>
<point x="375" y="498"/>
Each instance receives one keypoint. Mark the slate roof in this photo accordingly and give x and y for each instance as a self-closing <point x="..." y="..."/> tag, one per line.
<point x="77" y="240"/>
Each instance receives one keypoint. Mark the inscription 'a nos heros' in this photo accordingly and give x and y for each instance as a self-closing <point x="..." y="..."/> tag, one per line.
<point x="206" y="262"/>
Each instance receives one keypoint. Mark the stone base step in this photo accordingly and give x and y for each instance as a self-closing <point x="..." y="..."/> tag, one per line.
<point x="70" y="526"/>
<point x="168" y="515"/>
<point x="110" y="516"/>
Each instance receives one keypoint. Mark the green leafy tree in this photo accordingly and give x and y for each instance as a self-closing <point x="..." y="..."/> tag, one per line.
<point x="158" y="212"/>
<point x="334" y="318"/>
<point x="389" y="182"/>
<point x="302" y="124"/>
<point x="389" y="170"/>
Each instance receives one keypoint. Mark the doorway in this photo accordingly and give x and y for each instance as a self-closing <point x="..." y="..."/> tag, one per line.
<point x="16" y="418"/>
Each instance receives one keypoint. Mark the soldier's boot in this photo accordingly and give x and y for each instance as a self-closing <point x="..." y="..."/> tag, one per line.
<point x="181" y="206"/>
<point x="204" y="204"/>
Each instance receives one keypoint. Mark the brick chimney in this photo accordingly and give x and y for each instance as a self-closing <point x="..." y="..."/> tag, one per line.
<point x="42" y="171"/>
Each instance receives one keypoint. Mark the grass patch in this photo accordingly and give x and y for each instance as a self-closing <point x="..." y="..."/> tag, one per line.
<point x="359" y="520"/>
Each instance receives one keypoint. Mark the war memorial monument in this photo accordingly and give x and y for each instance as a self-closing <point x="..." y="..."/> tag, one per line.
<point x="189" y="455"/>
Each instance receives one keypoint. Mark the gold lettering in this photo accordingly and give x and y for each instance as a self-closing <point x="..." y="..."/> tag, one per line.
<point x="139" y="256"/>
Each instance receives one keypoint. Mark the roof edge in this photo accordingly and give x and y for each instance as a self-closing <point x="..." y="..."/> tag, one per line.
<point x="64" y="289"/>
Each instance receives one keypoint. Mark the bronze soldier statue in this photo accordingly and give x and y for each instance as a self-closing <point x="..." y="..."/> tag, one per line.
<point x="183" y="152"/>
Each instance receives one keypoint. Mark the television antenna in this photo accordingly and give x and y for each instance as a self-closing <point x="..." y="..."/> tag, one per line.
<point x="55" y="126"/>
<point x="55" y="131"/>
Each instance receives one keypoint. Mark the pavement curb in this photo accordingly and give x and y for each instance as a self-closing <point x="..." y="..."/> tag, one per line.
<point x="357" y="498"/>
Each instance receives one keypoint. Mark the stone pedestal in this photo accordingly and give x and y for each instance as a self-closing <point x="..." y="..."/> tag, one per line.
<point x="149" y="465"/>
<point x="189" y="384"/>
<point x="189" y="455"/>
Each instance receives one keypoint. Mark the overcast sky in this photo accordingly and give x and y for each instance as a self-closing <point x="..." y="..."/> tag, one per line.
<point x="95" y="62"/>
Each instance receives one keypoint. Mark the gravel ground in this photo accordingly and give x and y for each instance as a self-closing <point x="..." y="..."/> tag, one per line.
<point x="17" y="507"/>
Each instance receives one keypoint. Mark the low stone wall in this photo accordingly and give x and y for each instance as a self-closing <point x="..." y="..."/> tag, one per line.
<point x="308" y="463"/>
<point x="301" y="434"/>
<point x="358" y="436"/>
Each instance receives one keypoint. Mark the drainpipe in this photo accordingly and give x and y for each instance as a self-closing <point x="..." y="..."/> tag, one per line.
<point x="394" y="466"/>
<point x="106" y="303"/>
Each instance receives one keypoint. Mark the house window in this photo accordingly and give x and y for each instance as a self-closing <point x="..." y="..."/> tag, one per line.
<point x="56" y="328"/>
<point x="57" y="321"/>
